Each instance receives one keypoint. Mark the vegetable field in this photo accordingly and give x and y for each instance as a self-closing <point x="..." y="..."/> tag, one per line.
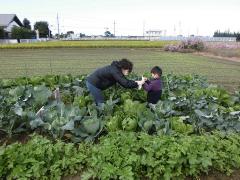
<point x="194" y="129"/>
<point x="60" y="132"/>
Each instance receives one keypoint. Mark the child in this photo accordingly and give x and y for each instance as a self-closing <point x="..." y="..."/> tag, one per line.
<point x="154" y="86"/>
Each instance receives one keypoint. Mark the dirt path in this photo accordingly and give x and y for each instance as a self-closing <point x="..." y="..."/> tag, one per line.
<point x="206" y="54"/>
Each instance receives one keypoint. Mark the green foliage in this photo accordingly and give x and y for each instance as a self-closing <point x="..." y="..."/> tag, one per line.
<point x="161" y="158"/>
<point x="122" y="155"/>
<point x="62" y="107"/>
<point x="226" y="34"/>
<point x="179" y="126"/>
<point x="26" y="23"/>
<point x="129" y="124"/>
<point x="108" y="34"/>
<point x="40" y="159"/>
<point x="42" y="27"/>
<point x="22" y="33"/>
<point x="113" y="123"/>
<point x="2" y="33"/>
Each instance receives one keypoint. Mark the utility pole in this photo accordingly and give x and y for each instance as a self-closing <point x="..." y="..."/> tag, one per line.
<point x="165" y="32"/>
<point x="143" y="28"/>
<point x="180" y="28"/>
<point x="114" y="28"/>
<point x="174" y="30"/>
<point x="58" y="26"/>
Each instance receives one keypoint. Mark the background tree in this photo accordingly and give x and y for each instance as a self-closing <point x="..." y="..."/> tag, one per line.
<point x="238" y="36"/>
<point x="82" y="35"/>
<point x="225" y="34"/>
<point x="43" y="29"/>
<point x="108" y="34"/>
<point x="22" y="33"/>
<point x="62" y="35"/>
<point x="2" y="33"/>
<point x="70" y="32"/>
<point x="26" y="23"/>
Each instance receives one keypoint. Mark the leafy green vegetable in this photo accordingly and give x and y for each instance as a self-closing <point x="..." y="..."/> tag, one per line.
<point x="113" y="123"/>
<point x="129" y="124"/>
<point x="67" y="104"/>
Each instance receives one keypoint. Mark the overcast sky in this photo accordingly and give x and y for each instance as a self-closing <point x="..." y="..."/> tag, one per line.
<point x="132" y="17"/>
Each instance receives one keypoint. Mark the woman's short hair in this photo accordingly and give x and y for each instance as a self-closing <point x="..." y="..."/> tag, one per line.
<point x="125" y="64"/>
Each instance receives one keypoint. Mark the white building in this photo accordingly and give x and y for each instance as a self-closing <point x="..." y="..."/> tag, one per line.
<point x="8" y="21"/>
<point x="154" y="33"/>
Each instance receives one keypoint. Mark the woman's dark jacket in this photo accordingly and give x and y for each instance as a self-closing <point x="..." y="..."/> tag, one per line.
<point x="107" y="76"/>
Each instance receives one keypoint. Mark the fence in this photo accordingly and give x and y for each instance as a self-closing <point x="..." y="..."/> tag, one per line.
<point x="210" y="39"/>
<point x="136" y="38"/>
<point x="155" y="38"/>
<point x="15" y="41"/>
<point x="8" y="41"/>
<point x="34" y="40"/>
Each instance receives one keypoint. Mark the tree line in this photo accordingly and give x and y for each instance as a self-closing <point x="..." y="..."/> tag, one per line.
<point x="227" y="34"/>
<point x="26" y="32"/>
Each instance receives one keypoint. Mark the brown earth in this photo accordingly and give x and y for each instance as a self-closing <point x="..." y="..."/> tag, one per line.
<point x="213" y="175"/>
<point x="207" y="54"/>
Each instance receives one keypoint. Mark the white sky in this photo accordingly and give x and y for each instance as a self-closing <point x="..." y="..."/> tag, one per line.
<point x="200" y="17"/>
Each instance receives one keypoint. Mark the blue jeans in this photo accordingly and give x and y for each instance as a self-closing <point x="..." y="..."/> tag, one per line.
<point x="96" y="93"/>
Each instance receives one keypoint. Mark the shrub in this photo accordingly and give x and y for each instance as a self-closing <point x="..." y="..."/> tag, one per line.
<point x="188" y="45"/>
<point x="172" y="48"/>
<point x="22" y="33"/>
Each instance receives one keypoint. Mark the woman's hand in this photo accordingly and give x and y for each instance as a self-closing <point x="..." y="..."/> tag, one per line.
<point x="144" y="79"/>
<point x="140" y="83"/>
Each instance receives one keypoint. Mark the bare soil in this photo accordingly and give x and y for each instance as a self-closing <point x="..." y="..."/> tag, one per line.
<point x="207" y="54"/>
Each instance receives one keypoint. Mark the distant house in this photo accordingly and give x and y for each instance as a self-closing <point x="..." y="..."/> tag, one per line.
<point x="8" y="21"/>
<point x="154" y="32"/>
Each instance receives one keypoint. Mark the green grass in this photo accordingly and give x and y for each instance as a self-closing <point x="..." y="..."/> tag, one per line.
<point x="30" y="62"/>
<point x="89" y="44"/>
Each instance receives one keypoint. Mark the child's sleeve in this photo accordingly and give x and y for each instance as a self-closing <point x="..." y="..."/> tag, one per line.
<point x="147" y="86"/>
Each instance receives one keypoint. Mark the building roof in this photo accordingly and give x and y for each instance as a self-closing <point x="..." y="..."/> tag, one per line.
<point x="6" y="19"/>
<point x="154" y="30"/>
